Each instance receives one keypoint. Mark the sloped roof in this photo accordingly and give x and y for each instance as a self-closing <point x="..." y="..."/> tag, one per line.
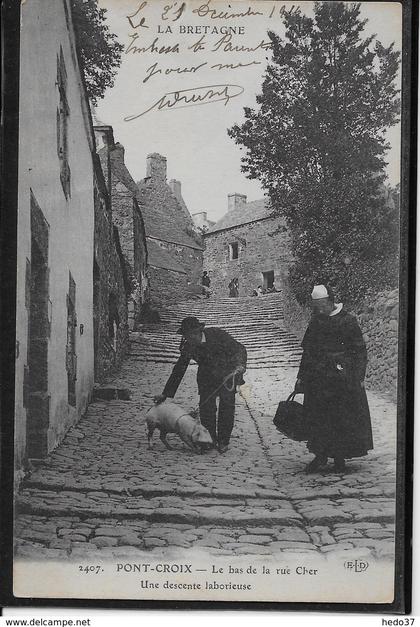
<point x="158" y="257"/>
<point x="159" y="224"/>
<point x="249" y="212"/>
<point x="122" y="173"/>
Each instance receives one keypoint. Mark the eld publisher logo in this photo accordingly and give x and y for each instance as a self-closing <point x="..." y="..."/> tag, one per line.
<point x="357" y="566"/>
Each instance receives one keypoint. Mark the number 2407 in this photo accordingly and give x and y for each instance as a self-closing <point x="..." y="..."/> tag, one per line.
<point x="91" y="569"/>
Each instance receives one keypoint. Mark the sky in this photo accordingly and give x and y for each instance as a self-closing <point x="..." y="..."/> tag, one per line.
<point x="193" y="138"/>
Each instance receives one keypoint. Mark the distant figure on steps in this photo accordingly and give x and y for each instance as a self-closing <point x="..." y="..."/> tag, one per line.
<point x="234" y="288"/>
<point x="205" y="282"/>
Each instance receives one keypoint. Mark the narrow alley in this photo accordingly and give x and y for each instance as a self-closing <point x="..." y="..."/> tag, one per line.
<point x="103" y="493"/>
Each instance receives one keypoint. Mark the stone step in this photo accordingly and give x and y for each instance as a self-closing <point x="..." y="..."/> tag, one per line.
<point x="269" y="339"/>
<point x="231" y="303"/>
<point x="216" y="509"/>
<point x="230" y="306"/>
<point x="252" y="357"/>
<point x="267" y="345"/>
<point x="258" y="347"/>
<point x="48" y="481"/>
<point x="171" y="329"/>
<point x="173" y="509"/>
<point x="257" y="352"/>
<point x="250" y="366"/>
<point x="245" y="311"/>
<point x="223" y="315"/>
<point x="166" y="336"/>
<point x="257" y="323"/>
<point x="116" y="538"/>
<point x="273" y="363"/>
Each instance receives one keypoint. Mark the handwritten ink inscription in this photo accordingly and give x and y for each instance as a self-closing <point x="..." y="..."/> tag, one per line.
<point x="220" y="45"/>
<point x="192" y="97"/>
<point x="206" y="11"/>
<point x="155" y="70"/>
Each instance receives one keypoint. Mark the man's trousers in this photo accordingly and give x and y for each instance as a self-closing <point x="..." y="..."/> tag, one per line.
<point x="218" y="423"/>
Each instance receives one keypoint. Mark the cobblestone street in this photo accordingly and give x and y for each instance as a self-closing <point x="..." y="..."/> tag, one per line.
<point x="103" y="493"/>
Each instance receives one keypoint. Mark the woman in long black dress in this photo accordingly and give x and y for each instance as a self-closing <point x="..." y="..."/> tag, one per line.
<point x="331" y="376"/>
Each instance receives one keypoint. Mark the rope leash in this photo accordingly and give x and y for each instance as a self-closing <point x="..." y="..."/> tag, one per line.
<point x="219" y="387"/>
<point x="229" y="388"/>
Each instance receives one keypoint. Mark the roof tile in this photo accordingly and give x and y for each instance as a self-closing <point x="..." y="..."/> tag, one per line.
<point x="250" y="212"/>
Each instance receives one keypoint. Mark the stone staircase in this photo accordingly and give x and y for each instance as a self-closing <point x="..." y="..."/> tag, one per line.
<point x="255" y="322"/>
<point x="104" y="494"/>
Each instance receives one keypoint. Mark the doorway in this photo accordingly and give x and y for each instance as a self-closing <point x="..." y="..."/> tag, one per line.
<point x="37" y="298"/>
<point x="268" y="279"/>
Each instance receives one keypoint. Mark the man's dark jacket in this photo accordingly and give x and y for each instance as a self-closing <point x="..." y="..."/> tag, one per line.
<point x="217" y="357"/>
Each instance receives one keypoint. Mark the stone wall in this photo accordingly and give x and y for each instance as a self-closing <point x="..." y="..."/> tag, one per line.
<point x="296" y="317"/>
<point x="139" y="293"/>
<point x="258" y="251"/>
<point x="127" y="217"/>
<point x="166" y="286"/>
<point x="123" y="218"/>
<point x="378" y="319"/>
<point x="192" y="262"/>
<point x="169" y="225"/>
<point x="67" y="207"/>
<point x="110" y="288"/>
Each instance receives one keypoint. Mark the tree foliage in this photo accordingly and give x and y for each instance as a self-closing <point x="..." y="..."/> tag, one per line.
<point x="98" y="48"/>
<point x="317" y="144"/>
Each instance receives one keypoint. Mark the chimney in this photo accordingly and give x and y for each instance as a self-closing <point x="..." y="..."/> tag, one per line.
<point x="156" y="167"/>
<point x="175" y="187"/>
<point x="200" y="219"/>
<point x="118" y="153"/>
<point x="104" y="137"/>
<point x="236" y="201"/>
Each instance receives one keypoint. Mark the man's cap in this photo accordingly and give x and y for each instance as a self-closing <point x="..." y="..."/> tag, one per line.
<point x="191" y="323"/>
<point x="319" y="291"/>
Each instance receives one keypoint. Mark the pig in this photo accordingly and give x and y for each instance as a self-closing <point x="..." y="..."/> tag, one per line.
<point x="171" y="418"/>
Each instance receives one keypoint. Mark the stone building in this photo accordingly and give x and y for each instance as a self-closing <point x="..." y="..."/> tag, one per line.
<point x="127" y="217"/>
<point x="247" y="243"/>
<point x="63" y="225"/>
<point x="110" y="285"/>
<point x="175" y="253"/>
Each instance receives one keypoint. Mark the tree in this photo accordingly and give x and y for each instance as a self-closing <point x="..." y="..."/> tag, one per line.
<point x="98" y="49"/>
<point x="317" y="144"/>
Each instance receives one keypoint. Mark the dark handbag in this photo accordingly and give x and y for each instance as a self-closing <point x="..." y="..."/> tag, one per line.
<point x="290" y="419"/>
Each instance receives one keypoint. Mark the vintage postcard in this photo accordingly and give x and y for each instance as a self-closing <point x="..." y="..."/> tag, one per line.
<point x="211" y="279"/>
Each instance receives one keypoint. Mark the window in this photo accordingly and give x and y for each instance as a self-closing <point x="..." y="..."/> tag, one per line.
<point x="233" y="251"/>
<point x="63" y="114"/>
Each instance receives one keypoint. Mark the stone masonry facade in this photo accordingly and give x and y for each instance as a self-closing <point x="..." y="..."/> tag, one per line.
<point x="379" y="322"/>
<point x="262" y="247"/>
<point x="127" y="218"/>
<point x="174" y="247"/>
<point x="110" y="287"/>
